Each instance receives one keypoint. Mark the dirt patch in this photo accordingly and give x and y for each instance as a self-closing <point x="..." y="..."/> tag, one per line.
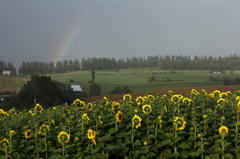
<point x="183" y="91"/>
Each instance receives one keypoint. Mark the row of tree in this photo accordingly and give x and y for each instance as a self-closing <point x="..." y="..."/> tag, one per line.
<point x="8" y="66"/>
<point x="176" y="62"/>
<point x="37" y="67"/>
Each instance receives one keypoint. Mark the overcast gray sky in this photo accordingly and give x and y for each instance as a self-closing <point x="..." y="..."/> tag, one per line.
<point x="52" y="30"/>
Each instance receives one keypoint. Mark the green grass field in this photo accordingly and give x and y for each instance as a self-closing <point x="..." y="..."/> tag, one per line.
<point x="136" y="79"/>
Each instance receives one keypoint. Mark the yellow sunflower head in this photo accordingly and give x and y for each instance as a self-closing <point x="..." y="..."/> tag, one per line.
<point x="85" y="118"/>
<point x="79" y="103"/>
<point x="150" y="97"/>
<point x="147" y="109"/>
<point x="160" y="121"/>
<point x="136" y="121"/>
<point x="194" y="91"/>
<point x="100" y="120"/>
<point x="216" y="93"/>
<point x="63" y="137"/>
<point x="139" y="100"/>
<point x="3" y="114"/>
<point x="105" y="101"/>
<point x="238" y="98"/>
<point x="54" y="109"/>
<point x="115" y="106"/>
<point x="38" y="108"/>
<point x="163" y="98"/>
<point x="223" y="130"/>
<point x="223" y="95"/>
<point x="127" y="97"/>
<point x="12" y="132"/>
<point x="187" y="101"/>
<point x="211" y="95"/>
<point x="89" y="106"/>
<point x="175" y="98"/>
<point x="119" y="116"/>
<point x="91" y="134"/>
<point x="179" y="123"/>
<point x="44" y="129"/>
<point x="28" y="133"/>
<point x="221" y="102"/>
<point x="3" y="144"/>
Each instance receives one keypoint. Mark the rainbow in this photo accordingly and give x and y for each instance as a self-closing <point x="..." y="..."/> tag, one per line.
<point x="68" y="41"/>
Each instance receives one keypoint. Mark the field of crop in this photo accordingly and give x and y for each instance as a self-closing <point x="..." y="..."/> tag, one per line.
<point x="199" y="124"/>
<point x="10" y="83"/>
<point x="138" y="79"/>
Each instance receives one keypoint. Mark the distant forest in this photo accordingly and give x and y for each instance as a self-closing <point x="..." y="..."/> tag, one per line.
<point x="174" y="62"/>
<point x="7" y="66"/>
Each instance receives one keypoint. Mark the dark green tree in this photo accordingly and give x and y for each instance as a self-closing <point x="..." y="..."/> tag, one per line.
<point x="95" y="90"/>
<point x="40" y="89"/>
<point x="93" y="74"/>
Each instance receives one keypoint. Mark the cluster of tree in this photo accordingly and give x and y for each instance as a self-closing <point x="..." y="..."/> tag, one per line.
<point x="214" y="79"/>
<point x="231" y="81"/>
<point x="43" y="90"/>
<point x="37" y="67"/>
<point x="7" y="66"/>
<point x="175" y="62"/>
<point x="119" y="90"/>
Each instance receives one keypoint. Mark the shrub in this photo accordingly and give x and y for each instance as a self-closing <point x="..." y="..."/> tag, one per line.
<point x="152" y="79"/>
<point x="95" y="90"/>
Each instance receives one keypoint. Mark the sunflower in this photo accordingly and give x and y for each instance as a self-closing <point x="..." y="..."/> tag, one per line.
<point x="44" y="129"/>
<point x="3" y="144"/>
<point x="170" y="93"/>
<point x="3" y="114"/>
<point x="187" y="101"/>
<point x="54" y="109"/>
<point x="194" y="91"/>
<point x="175" y="98"/>
<point x="216" y="93"/>
<point x="38" y="108"/>
<point x="139" y="100"/>
<point x="114" y="106"/>
<point x="221" y="102"/>
<point x="12" y="111"/>
<point x="238" y="98"/>
<point x="63" y="137"/>
<point x="105" y="101"/>
<point x="204" y="116"/>
<point x="211" y="95"/>
<point x="92" y="135"/>
<point x="223" y="129"/>
<point x="85" y="118"/>
<point x="100" y="121"/>
<point x="223" y="95"/>
<point x="79" y="103"/>
<point x="151" y="97"/>
<point x="147" y="109"/>
<point x="127" y="97"/>
<point x="238" y="107"/>
<point x="89" y="106"/>
<point x="28" y="133"/>
<point x="160" y="121"/>
<point x="12" y="132"/>
<point x="136" y="121"/>
<point x="179" y="123"/>
<point x="163" y="98"/>
<point x="119" y="116"/>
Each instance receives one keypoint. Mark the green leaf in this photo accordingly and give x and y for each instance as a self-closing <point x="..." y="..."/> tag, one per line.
<point x="168" y="154"/>
<point x="165" y="142"/>
<point x="137" y="143"/>
<point x="228" y="156"/>
<point x="184" y="145"/>
<point x="112" y="130"/>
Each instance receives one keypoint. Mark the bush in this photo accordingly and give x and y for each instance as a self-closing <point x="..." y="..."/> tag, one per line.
<point x="95" y="90"/>
<point x="71" y="80"/>
<point x="152" y="79"/>
<point x="119" y="90"/>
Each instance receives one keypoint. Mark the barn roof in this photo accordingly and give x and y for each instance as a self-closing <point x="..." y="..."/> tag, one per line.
<point x="76" y="88"/>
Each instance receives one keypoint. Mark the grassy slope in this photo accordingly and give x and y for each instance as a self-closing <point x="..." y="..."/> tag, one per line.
<point x="138" y="79"/>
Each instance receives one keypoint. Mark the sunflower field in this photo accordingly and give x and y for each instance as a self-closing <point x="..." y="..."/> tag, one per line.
<point x="198" y="124"/>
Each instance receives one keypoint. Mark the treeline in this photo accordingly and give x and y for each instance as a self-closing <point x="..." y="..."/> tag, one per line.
<point x="7" y="66"/>
<point x="37" y="67"/>
<point x="175" y="62"/>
